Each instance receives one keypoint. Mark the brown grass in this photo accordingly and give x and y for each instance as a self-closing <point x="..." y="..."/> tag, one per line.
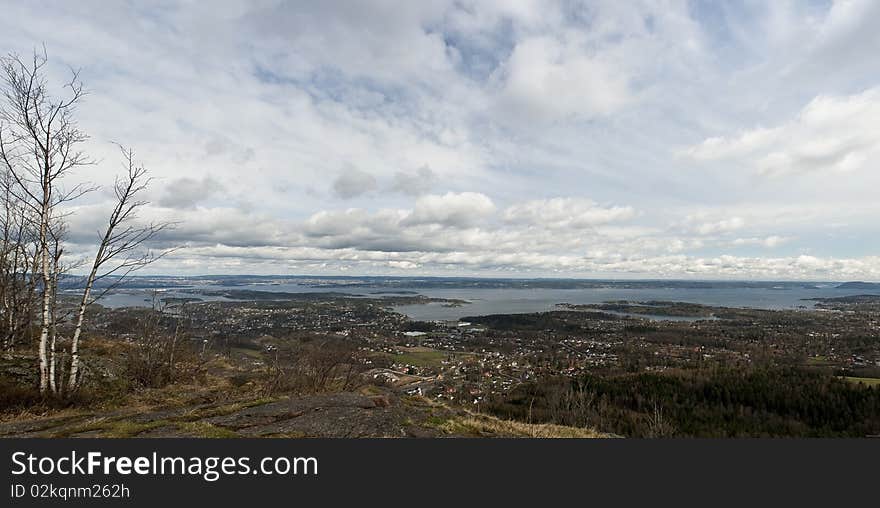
<point x="488" y="426"/>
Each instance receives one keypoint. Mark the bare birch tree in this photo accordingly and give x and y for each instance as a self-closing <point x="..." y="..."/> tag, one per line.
<point x="39" y="142"/>
<point x="39" y="147"/>
<point x="120" y="250"/>
<point x="16" y="276"/>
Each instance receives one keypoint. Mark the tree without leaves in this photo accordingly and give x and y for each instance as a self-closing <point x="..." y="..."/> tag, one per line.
<point x="120" y="250"/>
<point x="39" y="143"/>
<point x="38" y="146"/>
<point x="17" y="254"/>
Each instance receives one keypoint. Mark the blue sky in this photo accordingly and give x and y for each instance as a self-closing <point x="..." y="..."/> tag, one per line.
<point x="591" y="139"/>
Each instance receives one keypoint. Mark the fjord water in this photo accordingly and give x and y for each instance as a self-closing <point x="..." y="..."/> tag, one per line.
<point x="482" y="301"/>
<point x="510" y="301"/>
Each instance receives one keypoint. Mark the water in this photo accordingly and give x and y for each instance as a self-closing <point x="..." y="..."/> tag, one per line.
<point x="144" y="297"/>
<point x="509" y="301"/>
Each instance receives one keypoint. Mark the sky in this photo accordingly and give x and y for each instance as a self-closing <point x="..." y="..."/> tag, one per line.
<point x="515" y="138"/>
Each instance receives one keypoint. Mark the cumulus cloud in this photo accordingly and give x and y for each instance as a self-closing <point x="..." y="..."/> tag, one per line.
<point x="285" y="105"/>
<point x="566" y="213"/>
<point x="188" y="192"/>
<point x="267" y="259"/>
<point x="353" y="183"/>
<point x="451" y="209"/>
<point x="385" y="241"/>
<point x="700" y="226"/>
<point x="549" y="79"/>
<point x="831" y="133"/>
<point x="769" y="241"/>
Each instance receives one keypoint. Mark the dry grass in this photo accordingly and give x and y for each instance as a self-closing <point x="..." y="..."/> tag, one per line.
<point x="467" y="423"/>
<point x="188" y="421"/>
<point x="223" y="409"/>
<point x="107" y="428"/>
<point x="206" y="430"/>
<point x="483" y="426"/>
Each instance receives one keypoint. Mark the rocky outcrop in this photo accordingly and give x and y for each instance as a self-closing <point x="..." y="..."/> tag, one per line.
<point x="333" y="415"/>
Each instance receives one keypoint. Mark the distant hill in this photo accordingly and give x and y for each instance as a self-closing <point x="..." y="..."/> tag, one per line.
<point x="398" y="284"/>
<point x="859" y="285"/>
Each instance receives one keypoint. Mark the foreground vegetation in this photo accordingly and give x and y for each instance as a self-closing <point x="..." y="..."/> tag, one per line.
<point x="310" y="386"/>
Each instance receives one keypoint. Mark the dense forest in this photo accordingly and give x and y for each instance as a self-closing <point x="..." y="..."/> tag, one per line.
<point x="723" y="402"/>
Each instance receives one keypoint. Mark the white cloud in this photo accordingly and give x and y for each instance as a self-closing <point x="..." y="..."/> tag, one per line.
<point x="446" y="122"/>
<point x="715" y="227"/>
<point x="548" y="79"/>
<point x="831" y="133"/>
<point x="451" y="209"/>
<point x="321" y="261"/>
<point x="415" y="183"/>
<point x="769" y="241"/>
<point x="566" y="213"/>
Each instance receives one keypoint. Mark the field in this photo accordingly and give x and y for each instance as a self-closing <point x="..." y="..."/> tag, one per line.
<point x="419" y="356"/>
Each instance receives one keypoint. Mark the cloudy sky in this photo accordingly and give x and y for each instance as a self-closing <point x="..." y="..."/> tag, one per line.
<point x="661" y="139"/>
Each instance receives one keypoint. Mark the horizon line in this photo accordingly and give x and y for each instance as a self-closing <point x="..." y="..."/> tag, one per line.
<point x="479" y="277"/>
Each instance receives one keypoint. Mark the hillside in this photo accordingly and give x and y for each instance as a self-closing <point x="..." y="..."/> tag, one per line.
<point x="370" y="413"/>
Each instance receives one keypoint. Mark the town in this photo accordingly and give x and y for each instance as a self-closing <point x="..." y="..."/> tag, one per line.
<point x="484" y="362"/>
<point x="625" y="367"/>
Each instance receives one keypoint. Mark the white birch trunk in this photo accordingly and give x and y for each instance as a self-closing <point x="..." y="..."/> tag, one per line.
<point x="53" y="385"/>
<point x="44" y="317"/>
<point x="73" y="381"/>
